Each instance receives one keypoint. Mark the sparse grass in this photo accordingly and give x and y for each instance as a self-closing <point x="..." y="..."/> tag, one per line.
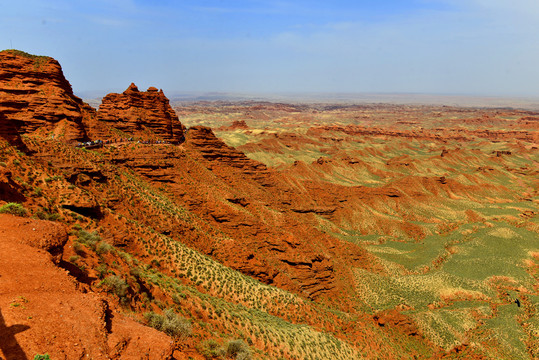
<point x="242" y="300"/>
<point x="13" y="209"/>
<point x="42" y="357"/>
<point x="169" y="323"/>
<point x="38" y="59"/>
<point x="116" y="285"/>
<point x="87" y="238"/>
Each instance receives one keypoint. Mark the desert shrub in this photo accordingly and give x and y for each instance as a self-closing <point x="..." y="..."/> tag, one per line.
<point x="116" y="285"/>
<point x="103" y="247"/>
<point x="78" y="248"/>
<point x="211" y="349"/>
<point x="169" y="323"/>
<point x="135" y="272"/>
<point x="88" y="238"/>
<point x="38" y="192"/>
<point x="43" y="215"/>
<point x="154" y="320"/>
<point x="244" y="356"/>
<point x="102" y="270"/>
<point x="125" y="256"/>
<point x="238" y="349"/>
<point x="175" y="325"/>
<point x="42" y="357"/>
<point x="54" y="217"/>
<point x="13" y="209"/>
<point x="156" y="263"/>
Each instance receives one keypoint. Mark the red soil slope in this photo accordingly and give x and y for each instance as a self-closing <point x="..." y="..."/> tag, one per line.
<point x="42" y="311"/>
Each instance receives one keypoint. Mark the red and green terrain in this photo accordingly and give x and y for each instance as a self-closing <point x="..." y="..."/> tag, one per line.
<point x="257" y="230"/>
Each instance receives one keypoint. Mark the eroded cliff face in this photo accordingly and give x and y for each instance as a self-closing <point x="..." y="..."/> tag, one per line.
<point x="36" y="97"/>
<point x="147" y="114"/>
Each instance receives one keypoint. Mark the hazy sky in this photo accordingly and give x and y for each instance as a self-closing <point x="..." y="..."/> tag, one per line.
<point x="481" y="47"/>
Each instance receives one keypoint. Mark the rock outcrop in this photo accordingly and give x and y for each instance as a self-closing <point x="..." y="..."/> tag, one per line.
<point x="236" y="125"/>
<point x="212" y="148"/>
<point x="35" y="96"/>
<point x="146" y="114"/>
<point x="50" y="236"/>
<point x="9" y="190"/>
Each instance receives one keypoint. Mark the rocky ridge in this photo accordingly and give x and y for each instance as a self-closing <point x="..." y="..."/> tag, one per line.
<point x="35" y="96"/>
<point x="141" y="113"/>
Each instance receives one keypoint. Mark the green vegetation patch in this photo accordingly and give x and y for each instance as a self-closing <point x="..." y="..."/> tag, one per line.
<point x="13" y="209"/>
<point x="169" y="323"/>
<point x="451" y="282"/>
<point x="494" y="251"/>
<point x="39" y="60"/>
<point x="505" y="331"/>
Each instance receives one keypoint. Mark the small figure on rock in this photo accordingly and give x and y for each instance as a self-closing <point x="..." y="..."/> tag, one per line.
<point x="517" y="301"/>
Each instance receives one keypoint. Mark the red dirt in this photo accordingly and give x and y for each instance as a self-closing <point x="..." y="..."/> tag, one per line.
<point x="43" y="312"/>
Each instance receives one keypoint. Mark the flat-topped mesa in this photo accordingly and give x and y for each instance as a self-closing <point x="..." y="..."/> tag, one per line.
<point x="35" y="97"/>
<point x="144" y="114"/>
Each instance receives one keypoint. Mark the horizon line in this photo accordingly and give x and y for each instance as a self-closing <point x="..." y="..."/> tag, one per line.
<point x="524" y="102"/>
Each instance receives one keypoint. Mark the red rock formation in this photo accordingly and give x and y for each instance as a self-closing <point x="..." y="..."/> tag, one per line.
<point x="395" y="319"/>
<point x="135" y="113"/>
<point x="35" y="95"/>
<point x="203" y="139"/>
<point x="9" y="189"/>
<point x="9" y="131"/>
<point x="236" y="125"/>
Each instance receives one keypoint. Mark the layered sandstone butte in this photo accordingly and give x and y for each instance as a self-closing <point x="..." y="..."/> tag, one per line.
<point x="145" y="114"/>
<point x="35" y="95"/>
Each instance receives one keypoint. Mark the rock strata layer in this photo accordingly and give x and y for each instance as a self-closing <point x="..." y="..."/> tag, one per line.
<point x="147" y="114"/>
<point x="35" y="96"/>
